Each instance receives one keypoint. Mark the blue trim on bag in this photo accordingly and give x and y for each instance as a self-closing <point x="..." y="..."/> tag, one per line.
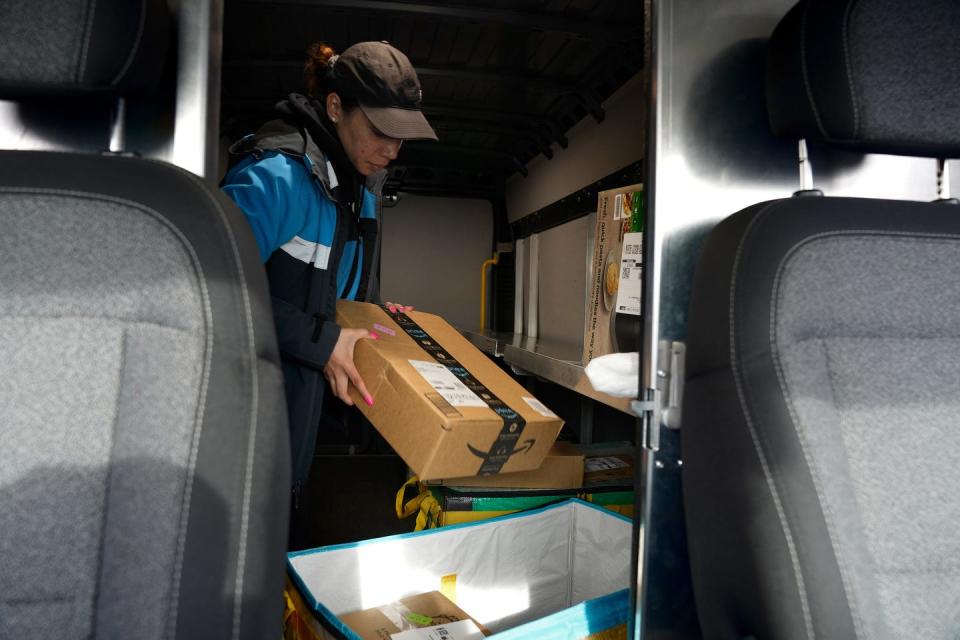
<point x="332" y="620"/>
<point x="454" y="527"/>
<point x="578" y="621"/>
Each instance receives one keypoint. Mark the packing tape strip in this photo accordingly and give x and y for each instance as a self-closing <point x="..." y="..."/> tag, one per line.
<point x="401" y="617"/>
<point x="513" y="423"/>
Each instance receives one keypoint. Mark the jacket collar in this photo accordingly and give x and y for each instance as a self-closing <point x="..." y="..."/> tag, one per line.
<point x="304" y="130"/>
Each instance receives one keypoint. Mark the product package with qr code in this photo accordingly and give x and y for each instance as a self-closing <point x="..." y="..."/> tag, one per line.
<point x="616" y="272"/>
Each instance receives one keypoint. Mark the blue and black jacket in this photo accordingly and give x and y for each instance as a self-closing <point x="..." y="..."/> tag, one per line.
<point x="316" y="224"/>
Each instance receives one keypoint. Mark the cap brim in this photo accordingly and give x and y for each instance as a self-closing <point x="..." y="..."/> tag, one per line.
<point x="402" y="124"/>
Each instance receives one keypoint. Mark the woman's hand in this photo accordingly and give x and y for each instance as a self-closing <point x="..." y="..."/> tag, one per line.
<point x="340" y="370"/>
<point x="398" y="308"/>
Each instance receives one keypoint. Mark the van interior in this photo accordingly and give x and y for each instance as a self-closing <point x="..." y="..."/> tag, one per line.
<point x="792" y="355"/>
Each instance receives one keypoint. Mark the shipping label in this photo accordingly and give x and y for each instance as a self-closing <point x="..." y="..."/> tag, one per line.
<point x="603" y="464"/>
<point x="447" y="385"/>
<point x="462" y="630"/>
<point x="630" y="291"/>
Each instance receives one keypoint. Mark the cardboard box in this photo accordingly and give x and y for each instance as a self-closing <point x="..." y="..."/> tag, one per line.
<point x="616" y="273"/>
<point x="567" y="466"/>
<point x="420" y="611"/>
<point x="608" y="481"/>
<point x="429" y="610"/>
<point x="446" y="408"/>
<point x="561" y="469"/>
<point x="609" y="469"/>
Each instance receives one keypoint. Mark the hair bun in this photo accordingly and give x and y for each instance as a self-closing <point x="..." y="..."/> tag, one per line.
<point x="316" y="67"/>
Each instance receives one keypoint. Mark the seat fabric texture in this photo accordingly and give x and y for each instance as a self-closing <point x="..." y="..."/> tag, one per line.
<point x="821" y="406"/>
<point x="143" y="454"/>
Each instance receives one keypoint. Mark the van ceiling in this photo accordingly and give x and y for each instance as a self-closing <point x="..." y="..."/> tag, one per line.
<point x="503" y="80"/>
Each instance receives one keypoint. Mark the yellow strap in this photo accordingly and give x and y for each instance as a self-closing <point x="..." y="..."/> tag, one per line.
<point x="429" y="516"/>
<point x="423" y="504"/>
<point x="289" y="609"/>
<point x="294" y="628"/>
<point x="407" y="509"/>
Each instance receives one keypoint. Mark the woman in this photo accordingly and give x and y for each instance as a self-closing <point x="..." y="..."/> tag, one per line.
<point x="310" y="185"/>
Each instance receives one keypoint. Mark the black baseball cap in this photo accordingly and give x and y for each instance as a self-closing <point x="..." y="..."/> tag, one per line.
<point x="385" y="84"/>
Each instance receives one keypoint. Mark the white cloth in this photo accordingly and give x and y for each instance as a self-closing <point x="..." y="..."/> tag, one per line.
<point x="616" y="374"/>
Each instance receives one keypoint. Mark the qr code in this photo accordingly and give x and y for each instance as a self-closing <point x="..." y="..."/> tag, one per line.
<point x="626" y="273"/>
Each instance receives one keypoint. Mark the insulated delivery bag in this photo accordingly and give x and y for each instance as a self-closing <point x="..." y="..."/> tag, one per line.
<point x="556" y="573"/>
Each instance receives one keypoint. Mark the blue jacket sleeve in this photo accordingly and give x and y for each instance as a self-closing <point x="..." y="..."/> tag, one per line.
<point x="271" y="192"/>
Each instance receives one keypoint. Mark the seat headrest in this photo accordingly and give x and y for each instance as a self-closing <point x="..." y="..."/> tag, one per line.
<point x="878" y="76"/>
<point x="71" y="47"/>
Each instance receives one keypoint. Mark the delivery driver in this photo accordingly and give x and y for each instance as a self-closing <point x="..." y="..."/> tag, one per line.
<point x="310" y="186"/>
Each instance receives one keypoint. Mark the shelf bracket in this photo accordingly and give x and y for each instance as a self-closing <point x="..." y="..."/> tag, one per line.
<point x="649" y="429"/>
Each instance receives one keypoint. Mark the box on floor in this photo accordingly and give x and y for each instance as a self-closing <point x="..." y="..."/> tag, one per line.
<point x="607" y="480"/>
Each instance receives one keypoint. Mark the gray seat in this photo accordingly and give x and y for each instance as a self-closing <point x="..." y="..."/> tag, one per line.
<point x="820" y="439"/>
<point x="144" y="464"/>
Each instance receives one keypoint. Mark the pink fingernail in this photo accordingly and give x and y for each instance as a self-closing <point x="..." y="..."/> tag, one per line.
<point x="373" y="335"/>
<point x="369" y="400"/>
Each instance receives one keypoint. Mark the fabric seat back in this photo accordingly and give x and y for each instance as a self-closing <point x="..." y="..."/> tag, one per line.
<point x="820" y="411"/>
<point x="144" y="462"/>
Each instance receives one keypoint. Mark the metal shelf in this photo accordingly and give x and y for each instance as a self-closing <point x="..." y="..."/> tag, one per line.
<point x="492" y="343"/>
<point x="556" y="362"/>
